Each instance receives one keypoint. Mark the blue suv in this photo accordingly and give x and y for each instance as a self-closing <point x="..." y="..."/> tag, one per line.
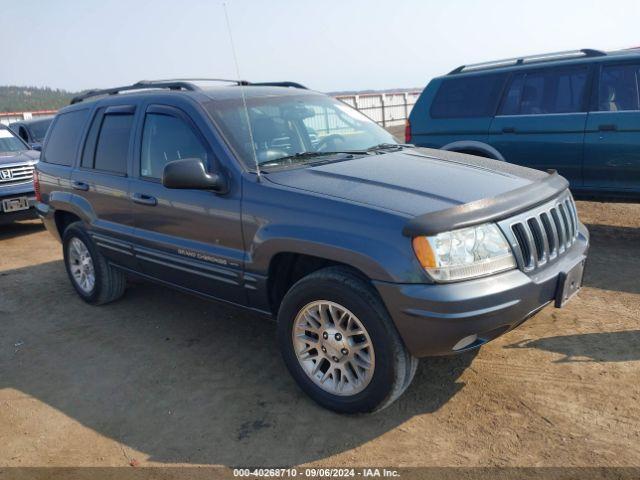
<point x="576" y="112"/>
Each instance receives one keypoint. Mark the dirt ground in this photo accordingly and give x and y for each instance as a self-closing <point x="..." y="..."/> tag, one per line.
<point x="166" y="378"/>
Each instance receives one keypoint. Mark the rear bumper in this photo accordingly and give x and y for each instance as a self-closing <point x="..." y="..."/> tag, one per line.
<point x="433" y="318"/>
<point x="47" y="215"/>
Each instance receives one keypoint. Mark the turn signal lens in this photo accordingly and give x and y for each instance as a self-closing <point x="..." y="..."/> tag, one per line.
<point x="425" y="254"/>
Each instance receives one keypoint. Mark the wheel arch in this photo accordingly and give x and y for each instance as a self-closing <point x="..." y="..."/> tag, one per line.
<point x="474" y="147"/>
<point x="288" y="267"/>
<point x="68" y="208"/>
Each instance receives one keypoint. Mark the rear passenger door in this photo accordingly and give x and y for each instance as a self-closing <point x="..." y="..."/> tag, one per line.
<point x="612" y="141"/>
<point x="189" y="238"/>
<point x="541" y="121"/>
<point x="102" y="180"/>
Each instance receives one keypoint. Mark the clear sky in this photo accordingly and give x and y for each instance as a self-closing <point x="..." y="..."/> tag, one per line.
<point x="325" y="44"/>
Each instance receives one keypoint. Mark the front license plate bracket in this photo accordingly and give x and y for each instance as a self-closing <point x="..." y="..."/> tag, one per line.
<point x="569" y="284"/>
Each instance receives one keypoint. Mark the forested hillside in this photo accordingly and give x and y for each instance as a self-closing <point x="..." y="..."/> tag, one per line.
<point x="19" y="99"/>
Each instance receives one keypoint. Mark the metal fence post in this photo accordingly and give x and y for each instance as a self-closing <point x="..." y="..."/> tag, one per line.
<point x="406" y="106"/>
<point x="384" y="115"/>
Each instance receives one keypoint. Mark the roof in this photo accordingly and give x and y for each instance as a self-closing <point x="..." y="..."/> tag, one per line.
<point x="555" y="58"/>
<point x="223" y="93"/>
<point x="233" y="89"/>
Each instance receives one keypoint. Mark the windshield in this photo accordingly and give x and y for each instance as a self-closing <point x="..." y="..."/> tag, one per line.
<point x="297" y="128"/>
<point x="9" y="142"/>
<point x="39" y="129"/>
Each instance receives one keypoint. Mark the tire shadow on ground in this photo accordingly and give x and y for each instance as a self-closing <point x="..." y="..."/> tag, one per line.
<point x="614" y="259"/>
<point x="17" y="229"/>
<point x="182" y="379"/>
<point x="589" y="347"/>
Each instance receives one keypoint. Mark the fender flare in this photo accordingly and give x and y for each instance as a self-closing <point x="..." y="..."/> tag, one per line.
<point x="69" y="202"/>
<point x="475" y="145"/>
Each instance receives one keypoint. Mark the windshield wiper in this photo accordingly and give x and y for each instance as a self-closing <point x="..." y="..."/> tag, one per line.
<point x="387" y="146"/>
<point x="306" y="155"/>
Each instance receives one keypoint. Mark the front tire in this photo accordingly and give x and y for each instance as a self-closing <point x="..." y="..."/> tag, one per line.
<point x="340" y="344"/>
<point x="93" y="278"/>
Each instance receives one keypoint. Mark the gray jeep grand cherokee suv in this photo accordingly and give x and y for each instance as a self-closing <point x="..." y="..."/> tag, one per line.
<point x="370" y="254"/>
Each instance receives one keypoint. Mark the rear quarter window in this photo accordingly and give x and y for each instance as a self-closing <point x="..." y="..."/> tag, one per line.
<point x="62" y="144"/>
<point x="467" y="97"/>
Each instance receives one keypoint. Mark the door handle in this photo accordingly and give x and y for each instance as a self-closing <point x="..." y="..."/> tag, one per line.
<point x="607" y="127"/>
<point x="508" y="129"/>
<point x="80" y="186"/>
<point x="144" y="199"/>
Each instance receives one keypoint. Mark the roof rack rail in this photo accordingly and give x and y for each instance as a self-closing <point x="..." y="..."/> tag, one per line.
<point x="175" y="84"/>
<point x="544" y="57"/>
<point x="171" y="84"/>
<point x="277" y="84"/>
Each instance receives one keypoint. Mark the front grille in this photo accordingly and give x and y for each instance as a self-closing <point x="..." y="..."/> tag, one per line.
<point x="15" y="174"/>
<point x="543" y="234"/>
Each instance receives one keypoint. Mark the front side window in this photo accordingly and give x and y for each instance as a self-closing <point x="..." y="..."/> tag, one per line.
<point x="546" y="92"/>
<point x="9" y="142"/>
<point x="112" y="148"/>
<point x="468" y="97"/>
<point x="62" y="144"/>
<point x="166" y="138"/>
<point x="294" y="128"/>
<point x="618" y="89"/>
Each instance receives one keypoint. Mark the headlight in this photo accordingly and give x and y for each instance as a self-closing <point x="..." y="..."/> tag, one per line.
<point x="465" y="253"/>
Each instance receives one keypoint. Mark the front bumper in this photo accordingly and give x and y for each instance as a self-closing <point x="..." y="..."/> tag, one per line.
<point x="14" y="191"/>
<point x="433" y="318"/>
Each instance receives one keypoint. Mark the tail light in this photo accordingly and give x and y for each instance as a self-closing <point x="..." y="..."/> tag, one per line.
<point x="36" y="185"/>
<point x="407" y="131"/>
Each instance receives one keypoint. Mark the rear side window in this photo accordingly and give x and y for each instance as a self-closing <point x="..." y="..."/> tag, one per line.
<point x="551" y="91"/>
<point x="618" y="89"/>
<point x="468" y="96"/>
<point x="63" y="141"/>
<point x="166" y="138"/>
<point x="112" y="147"/>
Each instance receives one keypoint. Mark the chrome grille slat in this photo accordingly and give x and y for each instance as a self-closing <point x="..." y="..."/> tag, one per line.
<point x="542" y="241"/>
<point x="567" y="227"/>
<point x="552" y="233"/>
<point x="531" y="248"/>
<point x="16" y="174"/>
<point x="574" y="215"/>
<point x="562" y="233"/>
<point x="543" y="234"/>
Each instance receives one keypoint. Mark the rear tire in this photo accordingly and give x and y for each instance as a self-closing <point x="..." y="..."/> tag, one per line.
<point x="93" y="278"/>
<point x="362" y="372"/>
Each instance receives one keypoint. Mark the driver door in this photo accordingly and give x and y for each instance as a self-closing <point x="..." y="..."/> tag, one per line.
<point x="188" y="238"/>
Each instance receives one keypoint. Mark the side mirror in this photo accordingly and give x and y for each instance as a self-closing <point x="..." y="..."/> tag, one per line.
<point x="36" y="146"/>
<point x="189" y="173"/>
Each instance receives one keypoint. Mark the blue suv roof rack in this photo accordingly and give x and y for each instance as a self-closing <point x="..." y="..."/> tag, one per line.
<point x="175" y="84"/>
<point x="545" y="57"/>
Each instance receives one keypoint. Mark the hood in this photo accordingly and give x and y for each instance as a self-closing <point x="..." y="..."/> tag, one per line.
<point x="26" y="156"/>
<point x="412" y="181"/>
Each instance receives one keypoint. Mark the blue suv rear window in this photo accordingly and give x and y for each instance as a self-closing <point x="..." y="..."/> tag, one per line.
<point x="468" y="96"/>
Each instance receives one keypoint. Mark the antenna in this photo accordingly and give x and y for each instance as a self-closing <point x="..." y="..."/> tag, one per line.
<point x="244" y="99"/>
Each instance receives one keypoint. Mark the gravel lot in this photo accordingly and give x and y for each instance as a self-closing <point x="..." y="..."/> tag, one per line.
<point x="160" y="377"/>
